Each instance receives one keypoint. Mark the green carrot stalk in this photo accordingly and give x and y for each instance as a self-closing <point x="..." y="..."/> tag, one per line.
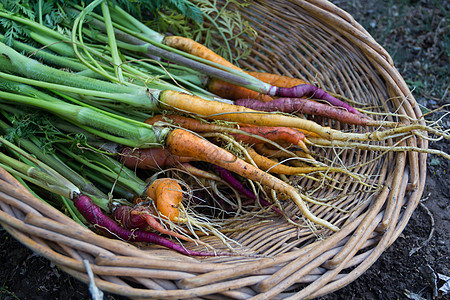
<point x="48" y="179"/>
<point x="151" y="44"/>
<point x="105" y="183"/>
<point x="31" y="145"/>
<point x="46" y="56"/>
<point x="112" y="42"/>
<point x="95" y="121"/>
<point x="12" y="61"/>
<point x="136" y="100"/>
<point x="109" y="168"/>
<point x="61" y="47"/>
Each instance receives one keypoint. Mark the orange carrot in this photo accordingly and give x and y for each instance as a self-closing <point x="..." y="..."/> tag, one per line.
<point x="167" y="194"/>
<point x="271" y="166"/>
<point x="190" y="46"/>
<point x="278" y="80"/>
<point x="183" y="143"/>
<point x="287" y="87"/>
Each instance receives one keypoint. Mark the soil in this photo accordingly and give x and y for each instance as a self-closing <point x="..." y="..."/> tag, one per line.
<point x="416" y="33"/>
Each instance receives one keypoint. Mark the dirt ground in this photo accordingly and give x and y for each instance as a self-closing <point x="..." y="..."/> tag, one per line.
<point x="416" y="33"/>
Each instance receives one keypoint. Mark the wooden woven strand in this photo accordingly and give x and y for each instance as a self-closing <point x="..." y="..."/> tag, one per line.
<point x="306" y="292"/>
<point x="12" y="201"/>
<point x="86" y="235"/>
<point x="274" y="282"/>
<point x="385" y="241"/>
<point x="392" y="189"/>
<point x="49" y="235"/>
<point x="309" y="252"/>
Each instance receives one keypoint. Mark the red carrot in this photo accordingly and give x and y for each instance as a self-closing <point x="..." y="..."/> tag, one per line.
<point x="123" y="216"/>
<point x="94" y="215"/>
<point x="275" y="134"/>
<point x="151" y="158"/>
<point x="231" y="91"/>
<point x="141" y="217"/>
<point x="292" y="105"/>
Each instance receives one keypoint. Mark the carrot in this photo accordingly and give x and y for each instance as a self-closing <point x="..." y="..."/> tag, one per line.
<point x="233" y="182"/>
<point x="271" y="166"/>
<point x="286" y="87"/>
<point x="167" y="194"/>
<point x="145" y="214"/>
<point x="275" y="134"/>
<point x="150" y="158"/>
<point x="123" y="216"/>
<point x="94" y="215"/>
<point x="224" y="111"/>
<point x="309" y="90"/>
<point x="305" y="106"/>
<point x="190" y="46"/>
<point x="205" y="151"/>
<point x="223" y="88"/>
<point x="236" y="184"/>
<point x="278" y="80"/>
<point x="231" y="91"/>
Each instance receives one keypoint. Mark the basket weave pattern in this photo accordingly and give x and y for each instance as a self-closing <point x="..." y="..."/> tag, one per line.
<point x="313" y="40"/>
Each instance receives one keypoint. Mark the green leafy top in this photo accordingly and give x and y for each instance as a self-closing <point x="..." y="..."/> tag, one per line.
<point x="223" y="28"/>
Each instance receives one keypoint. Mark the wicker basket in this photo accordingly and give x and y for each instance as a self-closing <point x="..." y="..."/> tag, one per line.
<point x="313" y="40"/>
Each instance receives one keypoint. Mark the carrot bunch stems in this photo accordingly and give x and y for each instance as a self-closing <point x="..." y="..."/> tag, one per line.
<point x="93" y="121"/>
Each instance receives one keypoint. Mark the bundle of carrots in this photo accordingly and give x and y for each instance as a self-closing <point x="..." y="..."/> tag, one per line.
<point x="154" y="117"/>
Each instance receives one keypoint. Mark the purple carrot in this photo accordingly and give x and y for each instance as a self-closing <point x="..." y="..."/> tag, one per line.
<point x="309" y="90"/>
<point x="94" y="215"/>
<point x="127" y="220"/>
<point x="292" y="105"/>
<point x="236" y="184"/>
<point x="233" y="182"/>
